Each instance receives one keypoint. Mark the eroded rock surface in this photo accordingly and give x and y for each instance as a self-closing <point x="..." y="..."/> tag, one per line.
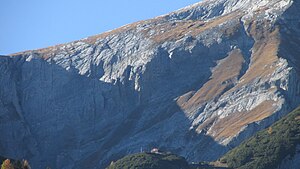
<point x="196" y="82"/>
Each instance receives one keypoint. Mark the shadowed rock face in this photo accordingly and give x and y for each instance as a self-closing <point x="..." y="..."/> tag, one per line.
<point x="196" y="82"/>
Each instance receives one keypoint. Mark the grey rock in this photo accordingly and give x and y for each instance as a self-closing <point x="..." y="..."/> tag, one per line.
<point x="88" y="102"/>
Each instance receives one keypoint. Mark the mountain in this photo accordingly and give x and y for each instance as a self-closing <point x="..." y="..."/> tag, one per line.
<point x="197" y="82"/>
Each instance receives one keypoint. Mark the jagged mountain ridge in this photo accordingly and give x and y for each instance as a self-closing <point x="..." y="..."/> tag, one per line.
<point x="208" y="75"/>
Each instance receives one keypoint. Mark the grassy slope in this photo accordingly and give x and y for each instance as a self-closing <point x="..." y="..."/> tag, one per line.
<point x="269" y="147"/>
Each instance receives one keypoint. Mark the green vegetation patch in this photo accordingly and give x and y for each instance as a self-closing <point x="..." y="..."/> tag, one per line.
<point x="150" y="161"/>
<point x="14" y="164"/>
<point x="269" y="147"/>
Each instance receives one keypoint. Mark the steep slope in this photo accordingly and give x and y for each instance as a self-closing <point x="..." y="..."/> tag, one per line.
<point x="196" y="81"/>
<point x="276" y="147"/>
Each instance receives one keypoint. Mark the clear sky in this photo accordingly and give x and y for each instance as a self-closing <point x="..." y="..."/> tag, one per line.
<point x="33" y="24"/>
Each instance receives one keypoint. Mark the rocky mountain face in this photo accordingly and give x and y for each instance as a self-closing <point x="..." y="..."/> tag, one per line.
<point x="196" y="82"/>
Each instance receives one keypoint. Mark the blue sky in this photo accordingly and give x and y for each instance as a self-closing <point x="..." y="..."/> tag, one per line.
<point x="33" y="24"/>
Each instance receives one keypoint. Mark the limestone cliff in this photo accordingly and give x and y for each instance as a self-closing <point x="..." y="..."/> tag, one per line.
<point x="196" y="82"/>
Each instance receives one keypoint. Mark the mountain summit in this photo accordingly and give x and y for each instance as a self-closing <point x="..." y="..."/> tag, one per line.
<point x="197" y="82"/>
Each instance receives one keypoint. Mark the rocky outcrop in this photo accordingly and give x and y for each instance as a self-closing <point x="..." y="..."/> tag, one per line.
<point x="197" y="82"/>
